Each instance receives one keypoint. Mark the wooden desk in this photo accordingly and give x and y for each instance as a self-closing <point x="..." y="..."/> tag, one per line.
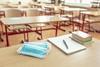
<point x="31" y="20"/>
<point x="91" y="13"/>
<point x="72" y="9"/>
<point x="91" y="17"/>
<point x="56" y="58"/>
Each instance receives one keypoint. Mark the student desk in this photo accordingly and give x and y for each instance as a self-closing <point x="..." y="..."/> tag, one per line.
<point x="72" y="9"/>
<point x="91" y="13"/>
<point x="95" y="17"/>
<point x="67" y="9"/>
<point x="32" y="20"/>
<point x="56" y="58"/>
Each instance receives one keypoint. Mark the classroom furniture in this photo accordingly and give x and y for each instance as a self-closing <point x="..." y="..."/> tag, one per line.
<point x="73" y="14"/>
<point x="32" y="13"/>
<point x="14" y="12"/>
<point x="32" y="20"/>
<point x="1" y="39"/>
<point x="91" y="19"/>
<point x="1" y="25"/>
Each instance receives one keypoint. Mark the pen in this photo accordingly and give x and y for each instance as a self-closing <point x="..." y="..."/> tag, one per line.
<point x="65" y="44"/>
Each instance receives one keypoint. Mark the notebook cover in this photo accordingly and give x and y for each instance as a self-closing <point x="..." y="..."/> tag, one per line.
<point x="73" y="46"/>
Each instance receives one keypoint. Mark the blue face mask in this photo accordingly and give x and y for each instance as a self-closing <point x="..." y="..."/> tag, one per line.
<point x="41" y="44"/>
<point x="37" y="50"/>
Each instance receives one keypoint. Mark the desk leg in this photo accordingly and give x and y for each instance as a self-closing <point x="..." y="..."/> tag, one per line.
<point x="41" y="35"/>
<point x="1" y="37"/>
<point x="26" y="37"/>
<point x="6" y="32"/>
<point x="57" y="26"/>
<point x="2" y="28"/>
<point x="73" y="26"/>
<point x="1" y="32"/>
<point x="83" y="22"/>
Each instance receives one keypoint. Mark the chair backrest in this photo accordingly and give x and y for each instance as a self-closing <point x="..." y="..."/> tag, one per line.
<point x="4" y="6"/>
<point x="32" y="12"/>
<point x="24" y="6"/>
<point x="2" y="14"/>
<point x="13" y="12"/>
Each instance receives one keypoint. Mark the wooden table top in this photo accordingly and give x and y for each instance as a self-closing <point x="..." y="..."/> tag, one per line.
<point x="56" y="58"/>
<point x="26" y="9"/>
<point x="92" y="13"/>
<point x="72" y="9"/>
<point x="32" y="20"/>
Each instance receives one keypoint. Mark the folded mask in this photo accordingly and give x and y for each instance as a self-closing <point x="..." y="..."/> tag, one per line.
<point x="41" y="44"/>
<point x="39" y="50"/>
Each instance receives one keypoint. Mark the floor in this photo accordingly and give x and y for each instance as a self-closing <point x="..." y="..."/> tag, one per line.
<point x="16" y="39"/>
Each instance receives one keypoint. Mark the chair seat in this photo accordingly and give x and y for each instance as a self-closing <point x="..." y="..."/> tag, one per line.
<point x="2" y="13"/>
<point x="68" y="15"/>
<point x="96" y="27"/>
<point x="49" y="12"/>
<point x="77" y="21"/>
<point x="92" y="20"/>
<point x="36" y="25"/>
<point x="17" y="27"/>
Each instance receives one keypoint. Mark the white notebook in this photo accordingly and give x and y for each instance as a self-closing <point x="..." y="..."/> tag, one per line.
<point x="73" y="46"/>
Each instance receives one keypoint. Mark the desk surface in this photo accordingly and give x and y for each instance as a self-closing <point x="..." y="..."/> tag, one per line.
<point x="72" y="9"/>
<point x="87" y="58"/>
<point x="91" y="13"/>
<point x="26" y="9"/>
<point x="32" y="20"/>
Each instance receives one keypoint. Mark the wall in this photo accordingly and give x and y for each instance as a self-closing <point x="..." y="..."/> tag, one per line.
<point x="14" y="1"/>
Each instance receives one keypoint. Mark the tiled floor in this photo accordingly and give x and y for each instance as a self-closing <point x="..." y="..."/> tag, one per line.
<point x="16" y="39"/>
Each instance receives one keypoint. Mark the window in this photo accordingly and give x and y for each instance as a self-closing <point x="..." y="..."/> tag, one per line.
<point x="78" y="1"/>
<point x="87" y="1"/>
<point x="44" y="1"/>
<point x="72" y="1"/>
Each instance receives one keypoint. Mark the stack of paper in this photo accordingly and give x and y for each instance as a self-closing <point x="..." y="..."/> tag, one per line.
<point x="81" y="37"/>
<point x="36" y="49"/>
<point x="66" y="44"/>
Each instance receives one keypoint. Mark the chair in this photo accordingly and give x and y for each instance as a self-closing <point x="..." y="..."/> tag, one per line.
<point x="93" y="23"/>
<point x="86" y="22"/>
<point x="2" y="14"/>
<point x="71" y="15"/>
<point x="78" y="22"/>
<point x="49" y="10"/>
<point x="32" y="12"/>
<point x="24" y="6"/>
<point x="1" y="39"/>
<point x="67" y="15"/>
<point x="14" y="12"/>
<point x="5" y="6"/>
<point x="35" y="12"/>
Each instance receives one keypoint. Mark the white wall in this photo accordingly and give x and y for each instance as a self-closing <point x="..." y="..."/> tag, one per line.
<point x="3" y="1"/>
<point x="45" y="1"/>
<point x="15" y="1"/>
